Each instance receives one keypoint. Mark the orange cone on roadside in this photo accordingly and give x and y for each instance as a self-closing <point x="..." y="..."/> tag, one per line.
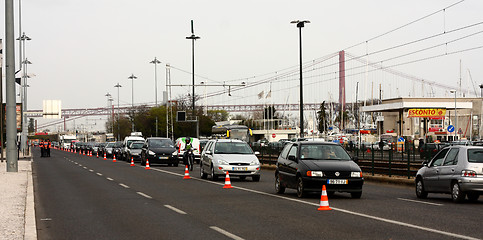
<point x="186" y="173"/>
<point x="324" y="200"/>
<point x="97" y="155"/>
<point x="147" y="164"/>
<point x="105" y="157"/>
<point x="227" y="181"/>
<point x="114" y="158"/>
<point x="132" y="162"/>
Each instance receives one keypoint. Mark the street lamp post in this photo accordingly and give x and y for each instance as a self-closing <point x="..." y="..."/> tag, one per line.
<point x="23" y="83"/>
<point x="109" y="103"/>
<point x="193" y="38"/>
<point x="155" y="62"/>
<point x="132" y="77"/>
<point x="118" y="128"/>
<point x="300" y="25"/>
<point x="455" y="115"/>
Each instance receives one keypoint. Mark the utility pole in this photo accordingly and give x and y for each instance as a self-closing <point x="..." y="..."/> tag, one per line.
<point x="12" y="157"/>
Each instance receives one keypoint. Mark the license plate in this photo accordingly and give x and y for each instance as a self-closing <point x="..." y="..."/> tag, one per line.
<point x="239" y="168"/>
<point x="163" y="157"/>
<point x="336" y="181"/>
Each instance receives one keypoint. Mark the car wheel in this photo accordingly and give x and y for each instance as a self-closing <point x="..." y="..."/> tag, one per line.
<point x="256" y="178"/>
<point x="473" y="197"/>
<point x="213" y="175"/>
<point x="300" y="187"/>
<point x="356" y="194"/>
<point x="203" y="175"/>
<point x="456" y="193"/>
<point x="420" y="192"/>
<point x="278" y="186"/>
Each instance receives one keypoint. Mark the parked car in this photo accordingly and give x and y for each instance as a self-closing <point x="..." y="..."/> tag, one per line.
<point x="428" y="150"/>
<point x="134" y="137"/>
<point x="159" y="150"/>
<point x="229" y="155"/>
<point x="376" y="146"/>
<point x="306" y="166"/>
<point x="134" y="152"/>
<point x="113" y="148"/>
<point x="456" y="170"/>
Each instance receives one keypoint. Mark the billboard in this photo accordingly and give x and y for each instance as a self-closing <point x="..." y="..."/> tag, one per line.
<point x="427" y="112"/>
<point x="18" y="109"/>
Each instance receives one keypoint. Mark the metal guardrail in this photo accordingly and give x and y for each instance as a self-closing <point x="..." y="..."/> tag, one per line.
<point x="404" y="161"/>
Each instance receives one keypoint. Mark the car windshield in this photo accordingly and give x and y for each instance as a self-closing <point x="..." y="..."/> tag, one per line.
<point x="475" y="155"/>
<point x="161" y="143"/>
<point x="137" y="145"/>
<point x="323" y="152"/>
<point x="232" y="148"/>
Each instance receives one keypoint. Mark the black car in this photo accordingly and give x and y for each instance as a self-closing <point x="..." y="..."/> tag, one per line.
<point x="429" y="150"/>
<point x="307" y="165"/>
<point x="159" y="150"/>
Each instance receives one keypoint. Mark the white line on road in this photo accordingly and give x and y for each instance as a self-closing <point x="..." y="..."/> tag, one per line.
<point x="429" y="203"/>
<point x="90" y="170"/>
<point x="123" y="185"/>
<point x="230" y="235"/>
<point x="100" y="174"/>
<point x="336" y="209"/>
<point x="175" y="209"/>
<point x="110" y="179"/>
<point x="85" y="168"/>
<point x="144" y="195"/>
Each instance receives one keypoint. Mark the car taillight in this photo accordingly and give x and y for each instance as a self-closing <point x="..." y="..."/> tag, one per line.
<point x="468" y="173"/>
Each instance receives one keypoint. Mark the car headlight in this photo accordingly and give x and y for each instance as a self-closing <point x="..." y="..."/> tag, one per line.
<point x="254" y="162"/>
<point x="315" y="173"/>
<point x="151" y="152"/>
<point x="222" y="162"/>
<point x="356" y="174"/>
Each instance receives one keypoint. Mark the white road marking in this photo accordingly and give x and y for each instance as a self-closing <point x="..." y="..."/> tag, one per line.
<point x="110" y="179"/>
<point x="175" y="209"/>
<point x="429" y="203"/>
<point x="123" y="185"/>
<point x="230" y="235"/>
<point x="46" y="219"/>
<point x="85" y="168"/>
<point x="335" y="209"/>
<point x="144" y="195"/>
<point x="100" y="174"/>
<point x="90" y="170"/>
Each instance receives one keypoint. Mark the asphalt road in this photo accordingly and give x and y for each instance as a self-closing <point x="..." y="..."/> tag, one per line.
<point x="80" y="197"/>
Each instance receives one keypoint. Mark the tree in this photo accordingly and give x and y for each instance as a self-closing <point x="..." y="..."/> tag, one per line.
<point x="218" y="115"/>
<point x="322" y="118"/>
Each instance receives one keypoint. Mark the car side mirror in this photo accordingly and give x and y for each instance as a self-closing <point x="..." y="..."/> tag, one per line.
<point x="292" y="158"/>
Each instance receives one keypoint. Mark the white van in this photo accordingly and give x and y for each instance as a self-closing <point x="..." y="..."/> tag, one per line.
<point x="135" y="137"/>
<point x="195" y="143"/>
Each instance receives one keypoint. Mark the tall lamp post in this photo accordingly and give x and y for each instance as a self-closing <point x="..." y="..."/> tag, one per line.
<point x="300" y="25"/>
<point x="455" y="115"/>
<point x="132" y="77"/>
<point x="118" y="128"/>
<point x="23" y="83"/>
<point x="155" y="62"/>
<point x="193" y="38"/>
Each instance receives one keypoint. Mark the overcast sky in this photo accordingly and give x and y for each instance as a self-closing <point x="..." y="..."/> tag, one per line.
<point x="81" y="49"/>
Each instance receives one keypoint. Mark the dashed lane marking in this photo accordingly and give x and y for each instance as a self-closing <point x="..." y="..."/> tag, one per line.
<point x="416" y="201"/>
<point x="175" y="209"/>
<point x="144" y="195"/>
<point x="228" y="234"/>
<point x="123" y="185"/>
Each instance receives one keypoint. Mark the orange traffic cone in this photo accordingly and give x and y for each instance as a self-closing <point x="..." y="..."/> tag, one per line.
<point x="227" y="181"/>
<point x="97" y="155"/>
<point x="114" y="158"/>
<point x="132" y="162"/>
<point x="147" y="164"/>
<point x="105" y="157"/>
<point x="324" y="200"/>
<point x="186" y="173"/>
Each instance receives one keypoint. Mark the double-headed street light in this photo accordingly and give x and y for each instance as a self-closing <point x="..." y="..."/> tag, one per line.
<point x="300" y="25"/>
<point x="155" y="62"/>
<point x="132" y="77"/>
<point x="23" y="91"/>
<point x="118" y="128"/>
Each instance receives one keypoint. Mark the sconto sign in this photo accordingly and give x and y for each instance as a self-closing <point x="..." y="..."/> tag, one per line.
<point x="426" y="112"/>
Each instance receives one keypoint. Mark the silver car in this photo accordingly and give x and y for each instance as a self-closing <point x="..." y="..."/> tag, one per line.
<point x="457" y="170"/>
<point x="228" y="155"/>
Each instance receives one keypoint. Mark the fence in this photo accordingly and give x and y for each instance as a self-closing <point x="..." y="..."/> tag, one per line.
<point x="399" y="160"/>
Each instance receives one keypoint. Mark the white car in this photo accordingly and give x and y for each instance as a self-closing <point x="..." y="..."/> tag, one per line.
<point x="229" y="155"/>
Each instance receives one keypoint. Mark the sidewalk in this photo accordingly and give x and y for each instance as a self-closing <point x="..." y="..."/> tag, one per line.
<point x="17" y="212"/>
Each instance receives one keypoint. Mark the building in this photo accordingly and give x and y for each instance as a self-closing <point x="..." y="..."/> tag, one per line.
<point x="429" y="118"/>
